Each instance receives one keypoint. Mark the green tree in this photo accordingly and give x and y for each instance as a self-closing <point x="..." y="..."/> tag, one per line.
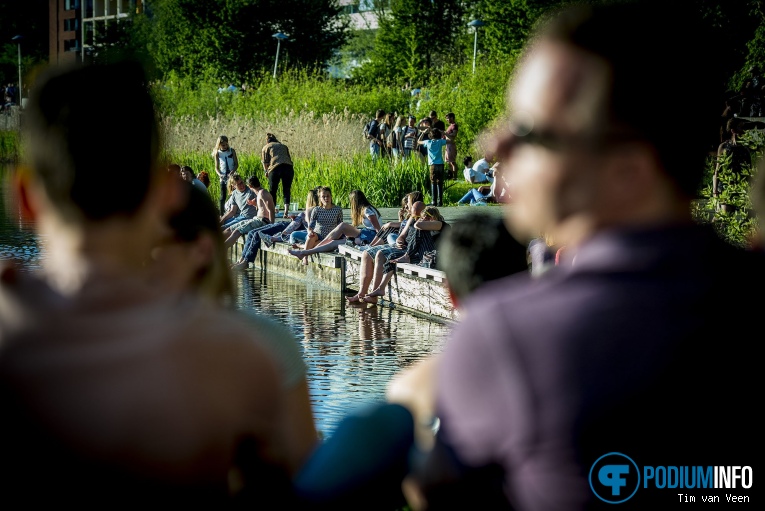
<point x="414" y="38"/>
<point x="30" y="20"/>
<point x="229" y="39"/>
<point x="509" y="22"/>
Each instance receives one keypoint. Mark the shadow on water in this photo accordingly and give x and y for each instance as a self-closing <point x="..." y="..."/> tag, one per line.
<point x="350" y="352"/>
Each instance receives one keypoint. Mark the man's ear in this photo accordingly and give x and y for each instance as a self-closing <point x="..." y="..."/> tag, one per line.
<point x="25" y="198"/>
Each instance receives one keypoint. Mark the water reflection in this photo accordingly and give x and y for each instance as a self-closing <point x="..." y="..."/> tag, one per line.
<point x="17" y="241"/>
<point x="351" y="353"/>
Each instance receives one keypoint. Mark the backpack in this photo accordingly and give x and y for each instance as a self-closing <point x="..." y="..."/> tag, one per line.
<point x="392" y="140"/>
<point x="371" y="129"/>
<point x="429" y="260"/>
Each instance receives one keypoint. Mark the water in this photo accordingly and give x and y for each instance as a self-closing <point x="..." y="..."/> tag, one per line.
<point x="350" y="353"/>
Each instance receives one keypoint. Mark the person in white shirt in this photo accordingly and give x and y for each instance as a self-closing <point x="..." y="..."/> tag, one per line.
<point x="483" y="171"/>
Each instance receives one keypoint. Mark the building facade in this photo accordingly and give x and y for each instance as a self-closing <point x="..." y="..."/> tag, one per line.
<point x="75" y="24"/>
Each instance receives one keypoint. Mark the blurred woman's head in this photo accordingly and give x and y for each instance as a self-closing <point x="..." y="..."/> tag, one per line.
<point x="270" y="137"/>
<point x="193" y="257"/>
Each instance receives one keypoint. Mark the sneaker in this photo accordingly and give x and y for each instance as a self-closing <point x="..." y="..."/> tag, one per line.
<point x="241" y="265"/>
<point x="268" y="241"/>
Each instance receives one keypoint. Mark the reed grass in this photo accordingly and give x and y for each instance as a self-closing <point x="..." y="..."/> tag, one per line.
<point x="383" y="181"/>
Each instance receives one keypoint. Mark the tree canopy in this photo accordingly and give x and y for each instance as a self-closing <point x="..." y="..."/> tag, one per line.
<point x="229" y="39"/>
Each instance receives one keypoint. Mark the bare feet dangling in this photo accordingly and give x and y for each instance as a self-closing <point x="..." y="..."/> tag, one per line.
<point x="297" y="253"/>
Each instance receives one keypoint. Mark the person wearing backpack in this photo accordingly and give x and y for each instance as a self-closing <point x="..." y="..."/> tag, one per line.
<point x="372" y="133"/>
<point x="396" y="138"/>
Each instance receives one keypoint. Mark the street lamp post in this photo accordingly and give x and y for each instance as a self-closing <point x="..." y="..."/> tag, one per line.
<point x="279" y="38"/>
<point x="475" y="24"/>
<point x="17" y="39"/>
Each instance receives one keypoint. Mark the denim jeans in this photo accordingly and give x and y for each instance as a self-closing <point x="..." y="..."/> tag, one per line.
<point x="234" y="220"/>
<point x="252" y="242"/>
<point x="298" y="237"/>
<point x="472" y="195"/>
<point x="374" y="149"/>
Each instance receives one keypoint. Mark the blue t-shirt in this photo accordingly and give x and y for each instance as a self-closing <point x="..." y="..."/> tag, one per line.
<point x="434" y="151"/>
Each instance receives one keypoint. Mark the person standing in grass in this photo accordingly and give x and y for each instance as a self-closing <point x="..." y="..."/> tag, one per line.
<point x="277" y="164"/>
<point x="434" y="146"/>
<point x="450" y="154"/>
<point x="226" y="163"/>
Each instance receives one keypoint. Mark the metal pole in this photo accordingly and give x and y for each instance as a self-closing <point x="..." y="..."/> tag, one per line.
<point x="21" y="91"/>
<point x="475" y="46"/>
<point x="276" y="60"/>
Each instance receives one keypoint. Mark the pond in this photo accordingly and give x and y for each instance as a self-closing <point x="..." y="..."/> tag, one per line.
<point x="351" y="353"/>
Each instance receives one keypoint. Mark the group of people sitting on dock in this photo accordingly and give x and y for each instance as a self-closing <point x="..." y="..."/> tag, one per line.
<point x="127" y="376"/>
<point x="321" y="228"/>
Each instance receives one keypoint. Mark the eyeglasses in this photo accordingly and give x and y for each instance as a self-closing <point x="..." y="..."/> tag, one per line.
<point x="523" y="134"/>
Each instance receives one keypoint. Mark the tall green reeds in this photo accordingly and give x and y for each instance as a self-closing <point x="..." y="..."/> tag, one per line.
<point x="382" y="181"/>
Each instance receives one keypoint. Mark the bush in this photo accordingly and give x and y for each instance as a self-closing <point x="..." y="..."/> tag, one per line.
<point x="739" y="226"/>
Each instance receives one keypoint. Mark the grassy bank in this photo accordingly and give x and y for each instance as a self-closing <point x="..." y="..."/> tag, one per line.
<point x="383" y="182"/>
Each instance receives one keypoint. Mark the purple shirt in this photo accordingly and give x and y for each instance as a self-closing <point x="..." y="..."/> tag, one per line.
<point x="625" y="350"/>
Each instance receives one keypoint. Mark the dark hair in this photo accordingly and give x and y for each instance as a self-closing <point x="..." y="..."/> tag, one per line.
<point x="253" y="182"/>
<point x="466" y="160"/>
<point x="380" y="113"/>
<point x="74" y="125"/>
<point x="450" y="114"/>
<point x="187" y="169"/>
<point x="204" y="177"/>
<point x="616" y="34"/>
<point x="435" y="133"/>
<point x="174" y="168"/>
<point x="270" y="137"/>
<point x="478" y="248"/>
<point x="432" y="114"/>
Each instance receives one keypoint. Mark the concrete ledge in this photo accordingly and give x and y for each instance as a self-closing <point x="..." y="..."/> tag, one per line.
<point x="327" y="269"/>
<point x="422" y="272"/>
<point x="413" y="288"/>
